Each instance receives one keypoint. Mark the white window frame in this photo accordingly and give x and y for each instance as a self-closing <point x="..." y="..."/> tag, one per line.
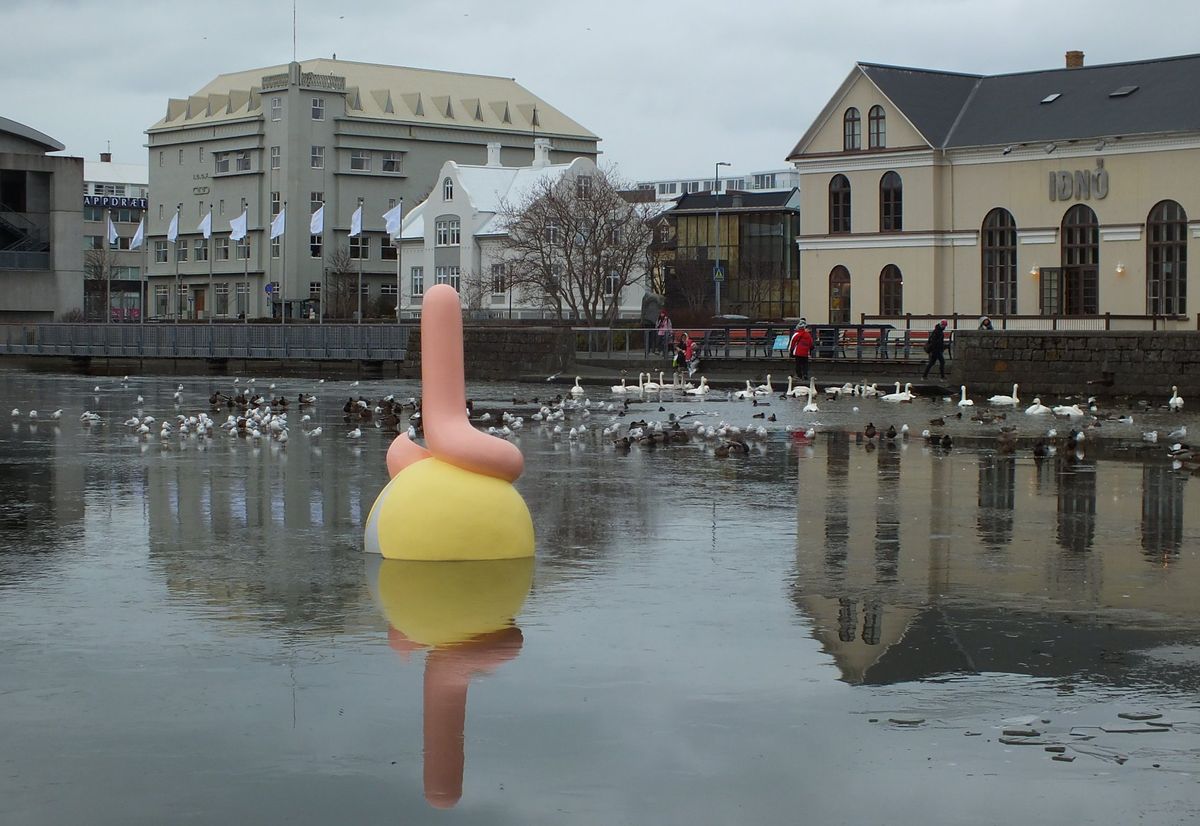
<point x="242" y="161"/>
<point x="612" y="283"/>
<point x="241" y="249"/>
<point x="160" y="252"/>
<point x="276" y="157"/>
<point x="200" y="250"/>
<point x="360" y="160"/>
<point x="447" y="188"/>
<point x="220" y="162"/>
<point x="416" y="276"/>
<point x="448" y="232"/>
<point x="276" y="112"/>
<point x="221" y="253"/>
<point x="318" y="108"/>
<point x="316" y="157"/>
<point x="499" y="279"/>
<point x="391" y="162"/>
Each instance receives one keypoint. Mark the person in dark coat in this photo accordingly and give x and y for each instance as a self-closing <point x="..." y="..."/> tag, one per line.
<point x="935" y="345"/>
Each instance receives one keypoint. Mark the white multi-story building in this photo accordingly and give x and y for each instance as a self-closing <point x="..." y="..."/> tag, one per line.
<point x="456" y="236"/>
<point x="117" y="191"/>
<point x="322" y="132"/>
<point x="668" y="189"/>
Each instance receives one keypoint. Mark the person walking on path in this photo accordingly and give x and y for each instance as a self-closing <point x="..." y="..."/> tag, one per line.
<point x="800" y="347"/>
<point x="935" y="346"/>
<point x="665" y="332"/>
<point x="985" y="323"/>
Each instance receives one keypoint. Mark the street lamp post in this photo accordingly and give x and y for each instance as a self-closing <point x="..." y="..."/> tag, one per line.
<point x="718" y="274"/>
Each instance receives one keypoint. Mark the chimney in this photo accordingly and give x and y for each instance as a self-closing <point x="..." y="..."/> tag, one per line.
<point x="105" y="157"/>
<point x="493" y="154"/>
<point x="541" y="152"/>
<point x="1074" y="59"/>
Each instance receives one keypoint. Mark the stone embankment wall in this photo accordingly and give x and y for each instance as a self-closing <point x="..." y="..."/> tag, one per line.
<point x="1099" y="363"/>
<point x="508" y="353"/>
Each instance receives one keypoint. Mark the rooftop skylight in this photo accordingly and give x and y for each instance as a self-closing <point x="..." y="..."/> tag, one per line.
<point x="1050" y="98"/>
<point x="1124" y="91"/>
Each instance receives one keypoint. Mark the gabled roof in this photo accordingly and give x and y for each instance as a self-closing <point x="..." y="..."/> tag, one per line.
<point x="931" y="100"/>
<point x="749" y="201"/>
<point x="953" y="110"/>
<point x="33" y="136"/>
<point x="487" y="189"/>
<point x="1008" y="108"/>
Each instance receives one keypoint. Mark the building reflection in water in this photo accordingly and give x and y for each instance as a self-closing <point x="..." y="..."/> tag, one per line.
<point x="462" y="614"/>
<point x="1162" y="512"/>
<point x="997" y="496"/>
<point x="900" y="580"/>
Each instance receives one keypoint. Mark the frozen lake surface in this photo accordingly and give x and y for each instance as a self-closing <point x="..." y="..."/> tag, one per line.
<point x="831" y="629"/>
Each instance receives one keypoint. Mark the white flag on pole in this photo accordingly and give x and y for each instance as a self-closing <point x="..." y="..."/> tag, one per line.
<point x="206" y="226"/>
<point x="356" y="222"/>
<point x="316" y="224"/>
<point x="173" y="229"/>
<point x="139" y="235"/>
<point x="277" y="224"/>
<point x="237" y="226"/>
<point x="393" y="217"/>
<point x="112" y="232"/>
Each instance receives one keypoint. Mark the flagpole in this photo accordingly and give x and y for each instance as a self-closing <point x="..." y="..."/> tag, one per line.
<point x="398" y="240"/>
<point x="282" y="268"/>
<point x="246" y="266"/>
<point x="321" y="315"/>
<point x="144" y="287"/>
<point x="208" y="251"/>
<point x="105" y="262"/>
<point x="360" y="259"/>
<point x="175" y="301"/>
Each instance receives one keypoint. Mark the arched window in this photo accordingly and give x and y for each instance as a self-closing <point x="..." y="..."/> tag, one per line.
<point x="447" y="189"/>
<point x="891" y="203"/>
<point x="851" y="130"/>
<point x="1166" y="259"/>
<point x="1080" y="286"/>
<point x="839" y="295"/>
<point x="891" y="291"/>
<point x="999" y="263"/>
<point x="839" y="204"/>
<point x="876" y="128"/>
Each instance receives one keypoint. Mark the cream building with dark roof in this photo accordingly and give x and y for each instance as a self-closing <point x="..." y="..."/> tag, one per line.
<point x="1069" y="193"/>
<point x="319" y="131"/>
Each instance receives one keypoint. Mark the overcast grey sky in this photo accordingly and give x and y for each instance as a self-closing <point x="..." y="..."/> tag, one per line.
<point x="671" y="86"/>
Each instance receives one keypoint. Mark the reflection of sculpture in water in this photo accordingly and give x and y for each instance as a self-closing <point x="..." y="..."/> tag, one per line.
<point x="454" y="499"/>
<point x="462" y="613"/>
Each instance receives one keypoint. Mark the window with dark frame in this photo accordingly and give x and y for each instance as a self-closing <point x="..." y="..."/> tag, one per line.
<point x="851" y="130"/>
<point x="1080" y="292"/>
<point x="1166" y="259"/>
<point x="839" y="204"/>
<point x="891" y="291"/>
<point x="891" y="203"/>
<point x="839" y="295"/>
<point x="999" y="263"/>
<point x="876" y="128"/>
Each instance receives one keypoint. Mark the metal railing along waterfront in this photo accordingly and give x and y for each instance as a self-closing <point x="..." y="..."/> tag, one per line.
<point x="1082" y="323"/>
<point x="367" y="342"/>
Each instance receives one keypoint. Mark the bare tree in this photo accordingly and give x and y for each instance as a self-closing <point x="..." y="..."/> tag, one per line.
<point x="574" y="244"/>
<point x="693" y="281"/>
<point x="97" y="270"/>
<point x="339" y="299"/>
<point x="474" y="289"/>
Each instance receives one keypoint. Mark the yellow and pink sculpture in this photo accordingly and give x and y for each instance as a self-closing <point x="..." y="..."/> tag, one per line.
<point x="454" y="499"/>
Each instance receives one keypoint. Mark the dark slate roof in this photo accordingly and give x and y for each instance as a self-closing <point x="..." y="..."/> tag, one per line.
<point x="958" y="110"/>
<point x="1007" y="108"/>
<point x="931" y="100"/>
<point x="707" y="202"/>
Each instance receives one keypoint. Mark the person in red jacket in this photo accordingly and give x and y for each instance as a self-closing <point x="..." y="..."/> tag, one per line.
<point x="800" y="347"/>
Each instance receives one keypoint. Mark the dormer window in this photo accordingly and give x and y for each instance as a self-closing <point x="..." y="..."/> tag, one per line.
<point x="447" y="190"/>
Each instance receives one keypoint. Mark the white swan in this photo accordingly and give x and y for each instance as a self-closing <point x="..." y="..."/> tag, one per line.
<point x="1175" y="403"/>
<point x="653" y="386"/>
<point x="1037" y="408"/>
<point x="701" y="390"/>
<point x="963" y="400"/>
<point x="802" y="390"/>
<point x="1071" y="411"/>
<point x="873" y="390"/>
<point x="577" y="390"/>
<point x="790" y="387"/>
<point x="748" y="393"/>
<point x="1008" y="400"/>
<point x="765" y="389"/>
<point x="620" y="388"/>
<point x="811" y="407"/>
<point x="905" y="395"/>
